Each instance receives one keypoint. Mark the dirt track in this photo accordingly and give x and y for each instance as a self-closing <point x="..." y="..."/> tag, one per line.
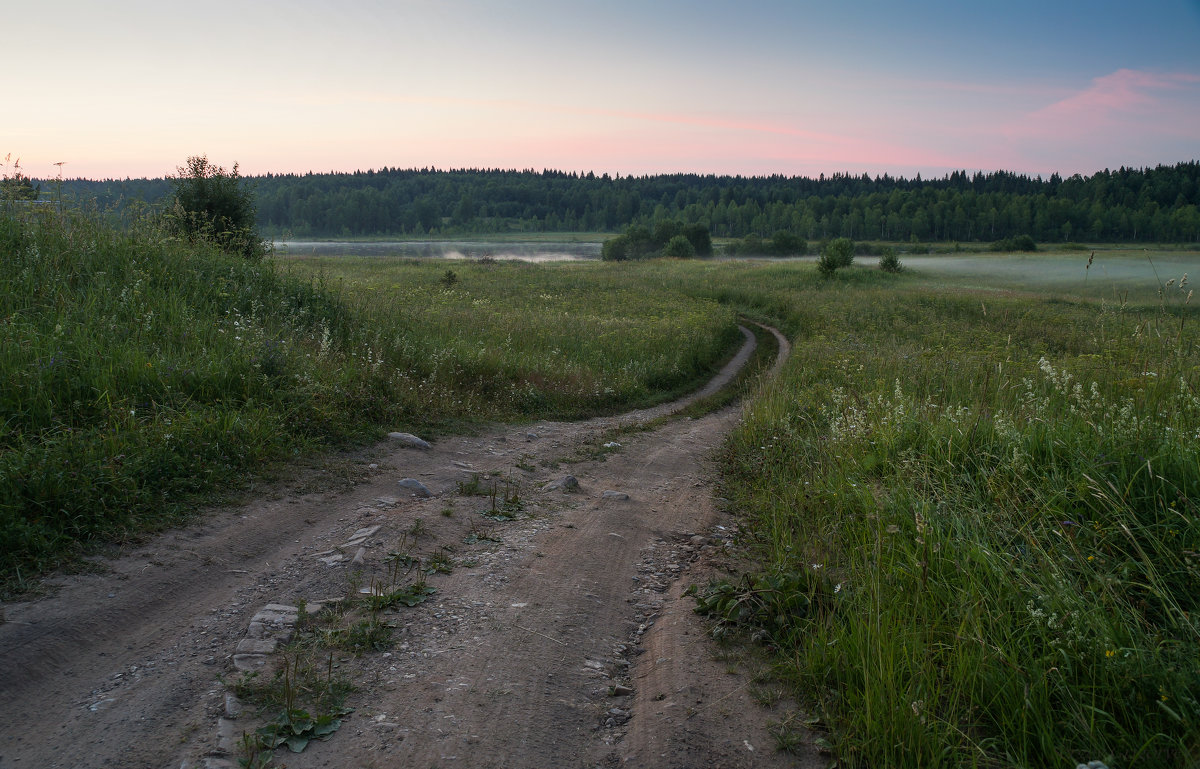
<point x="509" y="664"/>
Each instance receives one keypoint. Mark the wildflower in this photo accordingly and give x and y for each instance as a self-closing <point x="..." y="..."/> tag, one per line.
<point x="1109" y="653"/>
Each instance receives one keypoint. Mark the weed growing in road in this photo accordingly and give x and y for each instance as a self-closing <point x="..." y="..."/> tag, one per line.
<point x="506" y="505"/>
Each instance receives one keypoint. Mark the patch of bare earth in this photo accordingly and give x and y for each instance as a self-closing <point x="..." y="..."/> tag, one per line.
<point x="558" y="639"/>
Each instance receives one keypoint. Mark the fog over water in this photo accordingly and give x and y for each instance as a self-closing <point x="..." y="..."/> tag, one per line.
<point x="525" y="251"/>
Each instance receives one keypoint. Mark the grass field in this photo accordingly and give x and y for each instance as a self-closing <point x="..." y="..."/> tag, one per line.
<point x="975" y="501"/>
<point x="972" y="493"/>
<point x="140" y="373"/>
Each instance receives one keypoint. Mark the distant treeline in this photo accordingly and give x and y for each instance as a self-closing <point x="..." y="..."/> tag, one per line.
<point x="1127" y="205"/>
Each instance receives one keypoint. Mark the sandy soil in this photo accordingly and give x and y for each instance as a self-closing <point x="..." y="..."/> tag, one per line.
<point x="524" y="657"/>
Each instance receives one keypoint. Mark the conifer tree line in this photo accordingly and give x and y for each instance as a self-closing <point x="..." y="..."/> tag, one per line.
<point x="1151" y="205"/>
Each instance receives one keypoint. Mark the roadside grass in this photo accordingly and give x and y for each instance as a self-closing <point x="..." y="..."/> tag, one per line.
<point x="976" y="514"/>
<point x="141" y="376"/>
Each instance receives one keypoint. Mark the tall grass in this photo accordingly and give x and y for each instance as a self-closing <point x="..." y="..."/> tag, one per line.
<point x="565" y="339"/>
<point x="988" y="505"/>
<point x="140" y="374"/>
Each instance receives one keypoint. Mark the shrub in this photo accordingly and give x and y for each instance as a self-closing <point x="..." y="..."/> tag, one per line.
<point x="639" y="243"/>
<point x="1019" y="243"/>
<point x="679" y="247"/>
<point x="615" y="249"/>
<point x="699" y="237"/>
<point x="214" y="205"/>
<point x="888" y="261"/>
<point x="838" y="253"/>
<point x="751" y="245"/>
<point x="785" y="243"/>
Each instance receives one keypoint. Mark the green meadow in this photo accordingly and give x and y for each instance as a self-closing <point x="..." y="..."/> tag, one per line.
<point x="142" y="374"/>
<point x="973" y="495"/>
<point x="969" y="501"/>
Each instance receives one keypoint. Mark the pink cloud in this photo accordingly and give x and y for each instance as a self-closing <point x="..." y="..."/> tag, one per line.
<point x="1123" y="91"/>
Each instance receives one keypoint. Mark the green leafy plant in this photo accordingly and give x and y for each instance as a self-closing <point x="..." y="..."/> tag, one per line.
<point x="296" y="728"/>
<point x="506" y="505"/>
<point x="769" y="606"/>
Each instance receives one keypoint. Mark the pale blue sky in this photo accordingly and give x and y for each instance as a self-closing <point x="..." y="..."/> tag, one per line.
<point x="131" y="88"/>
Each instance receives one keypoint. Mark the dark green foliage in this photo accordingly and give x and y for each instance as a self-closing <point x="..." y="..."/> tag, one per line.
<point x="1019" y="243"/>
<point x="751" y="245"/>
<point x="1126" y="205"/>
<point x="670" y="238"/>
<point x="785" y="243"/>
<point x="664" y="230"/>
<point x="214" y="205"/>
<point x="18" y="187"/>
<point x="772" y="607"/>
<point x="782" y="243"/>
<point x="615" y="249"/>
<point x="679" y="247"/>
<point x="835" y="255"/>
<point x="889" y="261"/>
<point x="700" y="238"/>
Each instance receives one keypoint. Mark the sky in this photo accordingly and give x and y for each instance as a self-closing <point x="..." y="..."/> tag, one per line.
<point x="132" y="88"/>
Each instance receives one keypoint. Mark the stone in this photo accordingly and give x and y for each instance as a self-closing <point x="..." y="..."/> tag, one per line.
<point x="256" y="630"/>
<point x="364" y="533"/>
<point x="621" y="690"/>
<point x="257" y="645"/>
<point x="566" y="483"/>
<point x="359" y="557"/>
<point x="615" y="495"/>
<point x="248" y="663"/>
<point x="233" y="706"/>
<point x="416" y="487"/>
<point x="410" y="440"/>
<point x="276" y="614"/>
<point x="531" y="436"/>
<point x="332" y="560"/>
<point x="227" y="736"/>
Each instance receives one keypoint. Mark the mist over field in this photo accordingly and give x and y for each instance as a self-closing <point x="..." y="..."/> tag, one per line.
<point x="1135" y="272"/>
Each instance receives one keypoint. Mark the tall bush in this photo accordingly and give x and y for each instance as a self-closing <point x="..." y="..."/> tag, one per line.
<point x="213" y="204"/>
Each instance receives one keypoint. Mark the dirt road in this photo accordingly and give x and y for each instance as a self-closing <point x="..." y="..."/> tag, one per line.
<point x="558" y="639"/>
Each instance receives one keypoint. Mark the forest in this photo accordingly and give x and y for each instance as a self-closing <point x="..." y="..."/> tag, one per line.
<point x="1148" y="205"/>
